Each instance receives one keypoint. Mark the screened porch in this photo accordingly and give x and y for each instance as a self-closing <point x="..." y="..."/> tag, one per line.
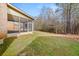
<point x="19" y="24"/>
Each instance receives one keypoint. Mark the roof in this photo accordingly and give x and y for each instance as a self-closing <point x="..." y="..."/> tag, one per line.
<point x="20" y="11"/>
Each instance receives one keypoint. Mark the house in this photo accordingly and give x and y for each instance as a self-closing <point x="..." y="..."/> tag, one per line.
<point x="14" y="20"/>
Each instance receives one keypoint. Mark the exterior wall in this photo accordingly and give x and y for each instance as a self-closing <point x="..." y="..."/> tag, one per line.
<point x="3" y="20"/>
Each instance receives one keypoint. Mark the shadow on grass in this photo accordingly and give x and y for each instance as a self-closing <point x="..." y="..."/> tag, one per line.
<point x="6" y="44"/>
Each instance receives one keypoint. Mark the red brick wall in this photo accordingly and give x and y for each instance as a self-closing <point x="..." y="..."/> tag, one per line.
<point x="3" y="19"/>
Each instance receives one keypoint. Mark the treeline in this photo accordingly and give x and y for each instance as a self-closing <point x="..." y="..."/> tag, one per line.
<point x="65" y="19"/>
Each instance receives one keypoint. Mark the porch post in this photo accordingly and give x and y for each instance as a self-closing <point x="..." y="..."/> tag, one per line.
<point x="19" y="25"/>
<point x="23" y="27"/>
<point x="27" y="26"/>
<point x="32" y="26"/>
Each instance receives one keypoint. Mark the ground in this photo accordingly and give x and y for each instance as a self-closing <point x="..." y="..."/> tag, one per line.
<point x="43" y="43"/>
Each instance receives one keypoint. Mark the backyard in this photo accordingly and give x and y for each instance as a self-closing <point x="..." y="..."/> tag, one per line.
<point x="41" y="44"/>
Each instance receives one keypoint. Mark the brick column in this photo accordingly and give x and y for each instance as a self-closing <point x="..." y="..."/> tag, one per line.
<point x="3" y="20"/>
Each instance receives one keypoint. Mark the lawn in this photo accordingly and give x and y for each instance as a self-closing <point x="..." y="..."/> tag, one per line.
<point x="49" y="46"/>
<point x="6" y="44"/>
<point x="37" y="44"/>
<point x="18" y="45"/>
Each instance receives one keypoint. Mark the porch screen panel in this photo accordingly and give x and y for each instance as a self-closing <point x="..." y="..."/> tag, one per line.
<point x="25" y="27"/>
<point x="30" y="26"/>
<point x="13" y="26"/>
<point x="21" y="27"/>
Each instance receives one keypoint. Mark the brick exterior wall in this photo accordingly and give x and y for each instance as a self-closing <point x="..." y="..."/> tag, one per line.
<point x="3" y="20"/>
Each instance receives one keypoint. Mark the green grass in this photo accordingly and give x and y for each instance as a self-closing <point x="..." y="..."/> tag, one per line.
<point x="48" y="45"/>
<point x="6" y="44"/>
<point x="18" y="45"/>
<point x="37" y="44"/>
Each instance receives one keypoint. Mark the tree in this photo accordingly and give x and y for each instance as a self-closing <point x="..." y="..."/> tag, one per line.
<point x="65" y="19"/>
<point x="67" y="15"/>
<point x="46" y="20"/>
<point x="70" y="15"/>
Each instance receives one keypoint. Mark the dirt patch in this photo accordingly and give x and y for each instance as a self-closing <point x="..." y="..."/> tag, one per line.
<point x="59" y="35"/>
<point x="67" y="36"/>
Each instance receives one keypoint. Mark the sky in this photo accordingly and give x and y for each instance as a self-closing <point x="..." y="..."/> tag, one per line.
<point x="33" y="9"/>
